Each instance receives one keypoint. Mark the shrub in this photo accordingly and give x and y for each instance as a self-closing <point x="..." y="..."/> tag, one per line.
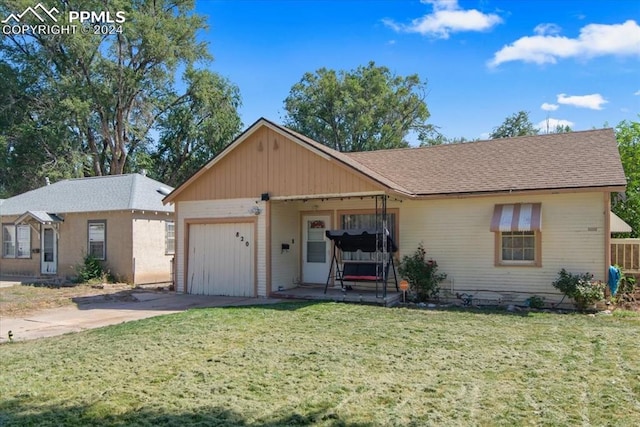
<point x="422" y="274"/>
<point x="535" y="301"/>
<point x="584" y="291"/>
<point x="91" y="270"/>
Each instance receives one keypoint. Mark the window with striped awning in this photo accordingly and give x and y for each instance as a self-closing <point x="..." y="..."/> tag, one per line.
<point x="517" y="217"/>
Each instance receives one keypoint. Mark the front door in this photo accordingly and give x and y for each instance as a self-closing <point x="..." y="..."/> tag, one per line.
<point x="48" y="251"/>
<point x="316" y="249"/>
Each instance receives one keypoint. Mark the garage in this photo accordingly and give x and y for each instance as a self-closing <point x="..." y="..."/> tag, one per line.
<point x="221" y="259"/>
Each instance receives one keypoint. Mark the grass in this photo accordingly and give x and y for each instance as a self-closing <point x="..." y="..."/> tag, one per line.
<point x="20" y="299"/>
<point x="332" y="365"/>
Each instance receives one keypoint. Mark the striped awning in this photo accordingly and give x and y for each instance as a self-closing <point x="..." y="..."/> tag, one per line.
<point x="517" y="217"/>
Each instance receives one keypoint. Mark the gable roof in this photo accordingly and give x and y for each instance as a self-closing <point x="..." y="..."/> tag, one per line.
<point x="308" y="143"/>
<point x="565" y="161"/>
<point x="584" y="159"/>
<point x="95" y="194"/>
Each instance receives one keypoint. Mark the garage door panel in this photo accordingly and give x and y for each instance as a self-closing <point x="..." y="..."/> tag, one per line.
<point x="221" y="259"/>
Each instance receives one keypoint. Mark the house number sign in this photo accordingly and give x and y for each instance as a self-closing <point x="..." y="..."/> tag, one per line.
<point x="246" y="243"/>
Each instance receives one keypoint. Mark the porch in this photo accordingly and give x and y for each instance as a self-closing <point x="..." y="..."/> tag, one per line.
<point x="626" y="254"/>
<point x="357" y="295"/>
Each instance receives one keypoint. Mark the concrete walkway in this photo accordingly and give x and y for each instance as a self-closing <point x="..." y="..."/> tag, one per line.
<point x="89" y="315"/>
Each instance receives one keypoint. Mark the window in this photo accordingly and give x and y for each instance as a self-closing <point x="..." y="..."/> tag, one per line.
<point x="517" y="228"/>
<point x="98" y="239"/>
<point x="16" y="241"/>
<point x="518" y="248"/>
<point x="355" y="221"/>
<point x="8" y="241"/>
<point x="169" y="238"/>
<point x="23" y="235"/>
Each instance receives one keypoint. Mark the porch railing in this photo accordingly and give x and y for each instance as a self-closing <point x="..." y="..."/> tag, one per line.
<point x="626" y="254"/>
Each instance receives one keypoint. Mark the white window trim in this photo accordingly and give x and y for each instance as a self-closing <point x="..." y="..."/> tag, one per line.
<point x="12" y="242"/>
<point x="104" y="237"/>
<point x="169" y="242"/>
<point x="27" y="244"/>
<point x="14" y="231"/>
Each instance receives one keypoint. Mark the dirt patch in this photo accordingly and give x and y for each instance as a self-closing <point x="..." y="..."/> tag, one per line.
<point x="21" y="299"/>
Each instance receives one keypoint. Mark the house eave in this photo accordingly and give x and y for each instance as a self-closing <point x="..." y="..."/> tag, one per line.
<point x="515" y="192"/>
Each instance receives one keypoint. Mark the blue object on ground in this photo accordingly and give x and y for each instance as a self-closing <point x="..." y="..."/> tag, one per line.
<point x="614" y="278"/>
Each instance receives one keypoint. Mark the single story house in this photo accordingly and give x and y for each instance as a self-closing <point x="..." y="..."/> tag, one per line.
<point x="119" y="219"/>
<point x="500" y="216"/>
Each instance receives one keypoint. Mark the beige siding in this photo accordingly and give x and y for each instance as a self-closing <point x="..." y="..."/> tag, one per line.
<point x="150" y="261"/>
<point x="455" y="232"/>
<point x="222" y="210"/>
<point x="285" y="228"/>
<point x="72" y="246"/>
<point x="267" y="162"/>
<point x="286" y="218"/>
<point x="21" y="266"/>
<point x="74" y="239"/>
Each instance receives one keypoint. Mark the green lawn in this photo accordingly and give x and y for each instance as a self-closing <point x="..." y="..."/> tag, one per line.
<point x="330" y="364"/>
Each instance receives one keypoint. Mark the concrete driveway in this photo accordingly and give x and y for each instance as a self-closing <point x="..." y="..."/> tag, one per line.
<point x="95" y="313"/>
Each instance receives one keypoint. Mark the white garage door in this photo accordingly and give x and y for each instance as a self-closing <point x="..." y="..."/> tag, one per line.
<point x="221" y="259"/>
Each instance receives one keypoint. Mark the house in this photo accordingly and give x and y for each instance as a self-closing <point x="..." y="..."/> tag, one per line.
<point x="119" y="219"/>
<point x="500" y="216"/>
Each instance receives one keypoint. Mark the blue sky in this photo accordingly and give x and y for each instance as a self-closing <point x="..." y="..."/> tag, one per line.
<point x="569" y="62"/>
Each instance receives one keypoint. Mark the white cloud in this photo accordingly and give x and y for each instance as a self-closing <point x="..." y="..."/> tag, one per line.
<point x="594" y="40"/>
<point x="593" y="101"/>
<point x="637" y="92"/>
<point x="549" y="107"/>
<point x="550" y="125"/>
<point x="447" y="18"/>
<point x="547" y="29"/>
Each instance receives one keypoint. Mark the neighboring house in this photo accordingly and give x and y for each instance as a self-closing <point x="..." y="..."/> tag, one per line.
<point x="500" y="216"/>
<point x="119" y="219"/>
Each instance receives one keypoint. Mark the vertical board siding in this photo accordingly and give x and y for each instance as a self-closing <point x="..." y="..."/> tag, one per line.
<point x="267" y="162"/>
<point x="220" y="263"/>
<point x="221" y="210"/>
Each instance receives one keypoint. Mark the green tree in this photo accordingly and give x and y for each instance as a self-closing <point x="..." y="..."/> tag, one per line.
<point x="437" y="138"/>
<point x="627" y="205"/>
<point x="365" y="109"/>
<point x="106" y="95"/>
<point x="196" y="130"/>
<point x="563" y="129"/>
<point x="518" y="124"/>
<point x="34" y="143"/>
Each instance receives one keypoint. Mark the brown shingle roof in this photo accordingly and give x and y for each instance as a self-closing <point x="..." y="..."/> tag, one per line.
<point x="584" y="159"/>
